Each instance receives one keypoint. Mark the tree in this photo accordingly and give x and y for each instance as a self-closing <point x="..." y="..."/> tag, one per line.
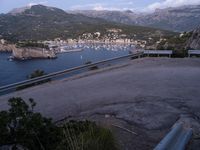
<point x="20" y="126"/>
<point x="35" y="74"/>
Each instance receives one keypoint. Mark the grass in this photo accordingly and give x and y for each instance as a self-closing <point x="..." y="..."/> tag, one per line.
<point x="86" y="135"/>
<point x="35" y="74"/>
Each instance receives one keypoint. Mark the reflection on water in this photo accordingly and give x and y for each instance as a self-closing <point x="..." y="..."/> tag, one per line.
<point x="16" y="71"/>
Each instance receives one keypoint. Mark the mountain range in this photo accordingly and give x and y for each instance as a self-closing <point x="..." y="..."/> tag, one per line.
<point x="179" y="19"/>
<point x="40" y="22"/>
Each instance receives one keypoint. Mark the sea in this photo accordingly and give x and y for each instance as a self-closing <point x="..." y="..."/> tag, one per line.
<point x="18" y="70"/>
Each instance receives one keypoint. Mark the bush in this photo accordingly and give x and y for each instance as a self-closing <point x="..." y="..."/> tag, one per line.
<point x="95" y="67"/>
<point x="21" y="128"/>
<point x="35" y="74"/>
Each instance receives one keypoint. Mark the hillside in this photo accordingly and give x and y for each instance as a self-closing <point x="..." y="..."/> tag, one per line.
<point x="185" y="41"/>
<point x="180" y="44"/>
<point x="185" y="18"/>
<point x="44" y="23"/>
<point x="194" y="41"/>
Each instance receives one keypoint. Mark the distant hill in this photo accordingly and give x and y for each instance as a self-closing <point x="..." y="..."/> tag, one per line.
<point x="17" y="11"/>
<point x="185" y="18"/>
<point x="42" y="23"/>
<point x="180" y="44"/>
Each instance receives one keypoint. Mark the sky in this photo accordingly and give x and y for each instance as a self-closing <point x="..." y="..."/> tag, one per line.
<point x="134" y="5"/>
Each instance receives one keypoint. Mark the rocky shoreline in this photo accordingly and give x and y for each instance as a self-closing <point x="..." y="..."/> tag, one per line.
<point x="30" y="53"/>
<point x="6" y="47"/>
<point x="27" y="52"/>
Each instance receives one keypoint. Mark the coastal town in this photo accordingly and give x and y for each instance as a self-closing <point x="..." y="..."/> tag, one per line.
<point x="52" y="47"/>
<point x="112" y="40"/>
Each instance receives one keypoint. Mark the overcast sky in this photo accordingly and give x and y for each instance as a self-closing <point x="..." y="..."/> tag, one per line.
<point x="138" y="5"/>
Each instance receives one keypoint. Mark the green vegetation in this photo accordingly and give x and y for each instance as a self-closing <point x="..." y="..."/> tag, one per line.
<point x="31" y="44"/>
<point x="35" y="74"/>
<point x="41" y="23"/>
<point x="86" y="135"/>
<point x="95" y="67"/>
<point x="177" y="44"/>
<point x="88" y="62"/>
<point x="22" y="128"/>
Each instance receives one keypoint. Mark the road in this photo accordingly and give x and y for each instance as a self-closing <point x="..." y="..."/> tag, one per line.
<point x="147" y="95"/>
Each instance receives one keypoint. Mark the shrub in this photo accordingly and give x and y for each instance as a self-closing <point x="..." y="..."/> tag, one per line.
<point x="35" y="74"/>
<point x="92" y="67"/>
<point x="21" y="128"/>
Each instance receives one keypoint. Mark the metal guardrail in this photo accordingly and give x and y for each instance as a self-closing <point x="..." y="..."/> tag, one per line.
<point x="167" y="52"/>
<point x="193" y="52"/>
<point x="176" y="139"/>
<point x="63" y="72"/>
<point x="158" y="52"/>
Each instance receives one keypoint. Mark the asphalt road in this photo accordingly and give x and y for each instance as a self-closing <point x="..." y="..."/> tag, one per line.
<point x="148" y="95"/>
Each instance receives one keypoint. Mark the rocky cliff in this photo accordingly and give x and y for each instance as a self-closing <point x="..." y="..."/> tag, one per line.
<point x="27" y="53"/>
<point x="194" y="41"/>
<point x="6" y="47"/>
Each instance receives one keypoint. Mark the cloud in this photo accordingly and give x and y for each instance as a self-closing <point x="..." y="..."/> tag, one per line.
<point x="95" y="6"/>
<point x="99" y="7"/>
<point x="37" y="3"/>
<point x="122" y="5"/>
<point x="171" y="3"/>
<point x="103" y="7"/>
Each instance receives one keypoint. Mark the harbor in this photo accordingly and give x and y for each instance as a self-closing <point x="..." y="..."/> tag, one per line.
<point x="17" y="70"/>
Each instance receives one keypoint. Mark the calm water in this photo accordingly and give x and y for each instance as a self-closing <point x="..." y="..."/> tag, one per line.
<point x="15" y="71"/>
